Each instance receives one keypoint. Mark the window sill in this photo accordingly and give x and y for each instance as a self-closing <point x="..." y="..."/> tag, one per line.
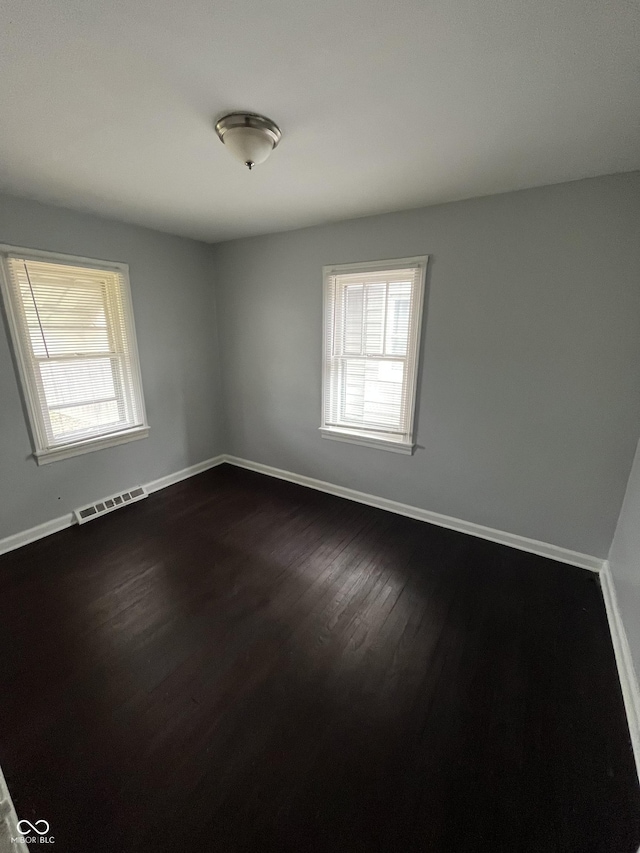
<point x="44" y="457"/>
<point x="367" y="440"/>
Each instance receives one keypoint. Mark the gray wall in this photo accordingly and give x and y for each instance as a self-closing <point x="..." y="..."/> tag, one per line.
<point x="624" y="560"/>
<point x="530" y="390"/>
<point x="174" y="306"/>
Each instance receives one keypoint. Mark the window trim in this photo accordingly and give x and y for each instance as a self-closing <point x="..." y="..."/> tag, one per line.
<point x="363" y="437"/>
<point x="43" y="454"/>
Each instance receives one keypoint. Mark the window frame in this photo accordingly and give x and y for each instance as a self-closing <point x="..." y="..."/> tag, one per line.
<point x="42" y="452"/>
<point x="364" y="437"/>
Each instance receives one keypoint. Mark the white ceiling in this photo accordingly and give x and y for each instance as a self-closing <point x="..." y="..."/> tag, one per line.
<point x="108" y="105"/>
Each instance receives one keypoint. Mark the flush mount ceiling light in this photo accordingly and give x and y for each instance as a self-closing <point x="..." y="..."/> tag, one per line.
<point x="248" y="136"/>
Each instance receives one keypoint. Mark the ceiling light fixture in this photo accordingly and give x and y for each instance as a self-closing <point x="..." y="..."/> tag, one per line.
<point x="248" y="136"/>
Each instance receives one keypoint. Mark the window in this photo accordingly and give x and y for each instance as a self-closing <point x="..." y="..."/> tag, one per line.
<point x="372" y="315"/>
<point x="71" y="321"/>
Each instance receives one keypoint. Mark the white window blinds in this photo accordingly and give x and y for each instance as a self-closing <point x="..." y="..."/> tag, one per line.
<point x="371" y="339"/>
<point x="73" y="333"/>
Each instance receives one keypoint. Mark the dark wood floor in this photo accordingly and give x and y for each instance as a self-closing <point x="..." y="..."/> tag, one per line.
<point x="240" y="664"/>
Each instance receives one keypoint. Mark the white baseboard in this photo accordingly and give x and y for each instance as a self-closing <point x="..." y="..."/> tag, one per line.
<point x="17" y="540"/>
<point x="624" y="661"/>
<point x="10" y="543"/>
<point x="533" y="546"/>
<point x="191" y="471"/>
